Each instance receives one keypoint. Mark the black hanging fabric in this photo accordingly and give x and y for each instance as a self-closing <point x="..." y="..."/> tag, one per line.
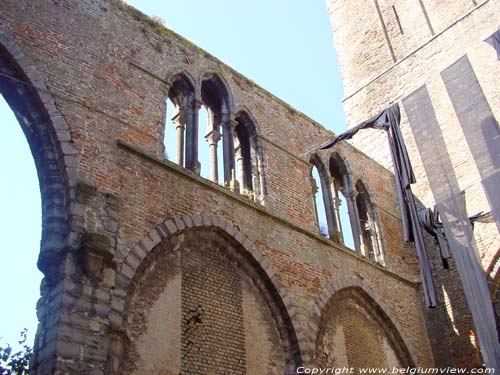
<point x="389" y="120"/>
<point x="494" y="40"/>
<point x="429" y="220"/>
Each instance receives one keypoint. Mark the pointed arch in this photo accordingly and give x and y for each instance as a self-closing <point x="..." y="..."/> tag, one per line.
<point x="221" y="87"/>
<point x="179" y="72"/>
<point x="217" y="99"/>
<point x="371" y="238"/>
<point x="345" y="211"/>
<point x="326" y="203"/>
<point x="57" y="166"/>
<point x="181" y="93"/>
<point x="52" y="148"/>
<point x="244" y="109"/>
<point x="169" y="236"/>
<point x="248" y="153"/>
<point x="355" y="290"/>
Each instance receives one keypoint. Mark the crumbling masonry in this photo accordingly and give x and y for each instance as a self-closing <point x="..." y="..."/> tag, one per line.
<point x="152" y="269"/>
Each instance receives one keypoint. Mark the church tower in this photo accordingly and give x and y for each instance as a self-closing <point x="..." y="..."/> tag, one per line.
<point x="439" y="60"/>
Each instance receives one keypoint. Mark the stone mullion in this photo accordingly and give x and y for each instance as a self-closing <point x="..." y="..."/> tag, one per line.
<point x="240" y="165"/>
<point x="254" y="166"/>
<point x="213" y="138"/>
<point x="336" y="212"/>
<point x="228" y="147"/>
<point x="352" y="209"/>
<point x="193" y="108"/>
<point x="179" y="132"/>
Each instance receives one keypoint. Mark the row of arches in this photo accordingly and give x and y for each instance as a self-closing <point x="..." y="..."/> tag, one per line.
<point x="225" y="151"/>
<point x="344" y="209"/>
<point x="351" y="326"/>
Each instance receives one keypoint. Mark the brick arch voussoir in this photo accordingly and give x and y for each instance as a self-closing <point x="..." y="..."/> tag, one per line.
<point x="322" y="304"/>
<point x="176" y="72"/>
<point x="176" y="225"/>
<point x="56" y="158"/>
<point x="128" y="268"/>
<point x="206" y="74"/>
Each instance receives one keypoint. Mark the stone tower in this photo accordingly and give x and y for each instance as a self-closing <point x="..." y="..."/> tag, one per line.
<point x="437" y="60"/>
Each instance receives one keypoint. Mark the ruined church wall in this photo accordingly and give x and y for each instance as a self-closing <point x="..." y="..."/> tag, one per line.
<point x="106" y="65"/>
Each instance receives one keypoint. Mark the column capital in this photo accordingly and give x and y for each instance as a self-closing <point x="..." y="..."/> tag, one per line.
<point x="179" y="119"/>
<point x="336" y="203"/>
<point x="213" y="137"/>
<point x="197" y="103"/>
<point x="314" y="186"/>
<point x="231" y="123"/>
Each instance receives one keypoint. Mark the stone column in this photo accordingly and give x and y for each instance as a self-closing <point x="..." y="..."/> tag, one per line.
<point x="352" y="209"/>
<point x="314" y="190"/>
<point x="213" y="138"/>
<point x="192" y="162"/>
<point x="336" y="211"/>
<point x="239" y="164"/>
<point x="228" y="147"/>
<point x="179" y="120"/>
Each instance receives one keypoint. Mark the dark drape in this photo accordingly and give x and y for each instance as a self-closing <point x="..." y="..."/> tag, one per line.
<point x="429" y="220"/>
<point x="494" y="40"/>
<point x="389" y="120"/>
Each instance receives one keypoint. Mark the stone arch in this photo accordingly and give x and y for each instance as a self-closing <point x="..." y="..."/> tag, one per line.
<point x="343" y="193"/>
<point x="176" y="72"/>
<point x="249" y="155"/>
<point x="332" y="227"/>
<point x="52" y="148"/>
<point x="181" y="93"/>
<point x="260" y="152"/>
<point x="223" y="85"/>
<point x="370" y="231"/>
<point x="141" y="256"/>
<point x="244" y="109"/>
<point x="346" y="287"/>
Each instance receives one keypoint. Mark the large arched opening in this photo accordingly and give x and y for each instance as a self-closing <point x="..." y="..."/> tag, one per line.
<point x="56" y="166"/>
<point x="355" y="331"/>
<point x="204" y="304"/>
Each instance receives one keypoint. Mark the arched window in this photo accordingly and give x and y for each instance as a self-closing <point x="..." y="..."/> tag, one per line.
<point x="344" y="208"/>
<point x="247" y="151"/>
<point x="169" y="136"/>
<point x="319" y="207"/>
<point x="215" y="99"/>
<point x="323" y="200"/>
<point x="371" y="245"/>
<point x="180" y="103"/>
<point x="201" y="121"/>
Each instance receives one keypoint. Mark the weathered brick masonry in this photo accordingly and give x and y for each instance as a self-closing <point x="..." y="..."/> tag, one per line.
<point x="152" y="269"/>
<point x="432" y="56"/>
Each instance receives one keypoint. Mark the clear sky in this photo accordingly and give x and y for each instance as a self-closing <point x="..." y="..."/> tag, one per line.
<point x="283" y="45"/>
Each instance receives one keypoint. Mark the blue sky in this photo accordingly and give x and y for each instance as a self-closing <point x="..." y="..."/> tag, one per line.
<point x="283" y="45"/>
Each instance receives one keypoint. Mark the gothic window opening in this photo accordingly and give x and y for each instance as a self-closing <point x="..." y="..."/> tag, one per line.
<point x="169" y="135"/>
<point x="180" y="109"/>
<point x="344" y="206"/>
<point x="323" y="200"/>
<point x="370" y="237"/>
<point x="247" y="156"/>
<point x="319" y="206"/>
<point x="219" y="127"/>
<point x="207" y="143"/>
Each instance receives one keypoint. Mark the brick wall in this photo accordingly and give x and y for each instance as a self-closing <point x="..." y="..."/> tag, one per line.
<point x="116" y="289"/>
<point x="389" y="67"/>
